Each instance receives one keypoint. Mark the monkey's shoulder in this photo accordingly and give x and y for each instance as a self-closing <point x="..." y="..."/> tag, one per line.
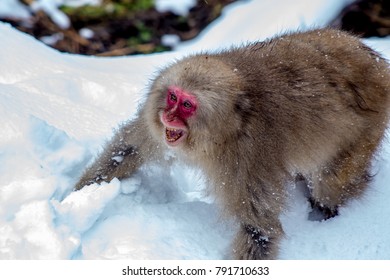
<point x="299" y="45"/>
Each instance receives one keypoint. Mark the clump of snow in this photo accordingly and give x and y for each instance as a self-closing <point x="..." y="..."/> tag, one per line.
<point x="170" y="40"/>
<point x="13" y="9"/>
<point x="86" y="33"/>
<point x="52" y="39"/>
<point x="179" y="8"/>
<point x="56" y="112"/>
<point x="75" y="209"/>
<point x="51" y="9"/>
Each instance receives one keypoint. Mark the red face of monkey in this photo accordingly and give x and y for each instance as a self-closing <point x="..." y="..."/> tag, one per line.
<point x="180" y="106"/>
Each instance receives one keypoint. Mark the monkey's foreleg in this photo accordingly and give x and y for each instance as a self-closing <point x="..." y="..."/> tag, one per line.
<point x="253" y="243"/>
<point x="110" y="164"/>
<point x="130" y="147"/>
<point x="260" y="229"/>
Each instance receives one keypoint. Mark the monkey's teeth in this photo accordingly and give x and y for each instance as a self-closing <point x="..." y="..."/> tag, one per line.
<point x="173" y="134"/>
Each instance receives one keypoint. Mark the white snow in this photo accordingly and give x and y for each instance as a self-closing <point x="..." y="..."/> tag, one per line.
<point x="13" y="9"/>
<point x="180" y="8"/>
<point x="56" y="112"/>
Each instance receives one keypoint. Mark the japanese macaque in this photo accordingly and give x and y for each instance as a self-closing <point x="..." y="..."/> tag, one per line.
<point x="312" y="105"/>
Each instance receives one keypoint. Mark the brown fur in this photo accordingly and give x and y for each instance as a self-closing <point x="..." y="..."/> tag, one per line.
<point x="314" y="104"/>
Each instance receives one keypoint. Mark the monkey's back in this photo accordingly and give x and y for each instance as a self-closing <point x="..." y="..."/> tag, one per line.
<point x="315" y="93"/>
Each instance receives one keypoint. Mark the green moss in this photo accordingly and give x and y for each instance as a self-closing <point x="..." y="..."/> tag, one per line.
<point x="108" y="9"/>
<point x="160" y="48"/>
<point x="88" y="12"/>
<point x="145" y="33"/>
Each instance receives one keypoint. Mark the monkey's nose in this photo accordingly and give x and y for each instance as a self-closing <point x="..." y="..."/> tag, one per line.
<point x="170" y="117"/>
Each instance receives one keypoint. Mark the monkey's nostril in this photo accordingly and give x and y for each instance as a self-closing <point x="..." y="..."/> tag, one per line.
<point x="170" y="116"/>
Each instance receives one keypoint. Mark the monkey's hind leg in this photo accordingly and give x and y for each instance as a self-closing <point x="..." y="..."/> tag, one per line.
<point x="344" y="178"/>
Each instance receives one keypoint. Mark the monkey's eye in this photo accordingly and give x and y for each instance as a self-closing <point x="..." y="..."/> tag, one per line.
<point x="172" y="97"/>
<point x="187" y="104"/>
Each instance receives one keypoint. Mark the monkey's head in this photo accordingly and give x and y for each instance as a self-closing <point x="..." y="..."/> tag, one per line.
<point x="193" y="104"/>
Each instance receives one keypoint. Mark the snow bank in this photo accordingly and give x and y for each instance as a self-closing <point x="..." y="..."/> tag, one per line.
<point x="56" y="112"/>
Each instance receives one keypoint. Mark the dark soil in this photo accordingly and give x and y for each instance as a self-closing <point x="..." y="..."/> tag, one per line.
<point x="366" y="18"/>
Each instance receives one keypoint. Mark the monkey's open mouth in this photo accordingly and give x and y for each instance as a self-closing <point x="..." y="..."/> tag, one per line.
<point x="174" y="134"/>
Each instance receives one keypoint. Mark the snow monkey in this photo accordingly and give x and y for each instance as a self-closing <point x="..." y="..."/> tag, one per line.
<point x="254" y="118"/>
